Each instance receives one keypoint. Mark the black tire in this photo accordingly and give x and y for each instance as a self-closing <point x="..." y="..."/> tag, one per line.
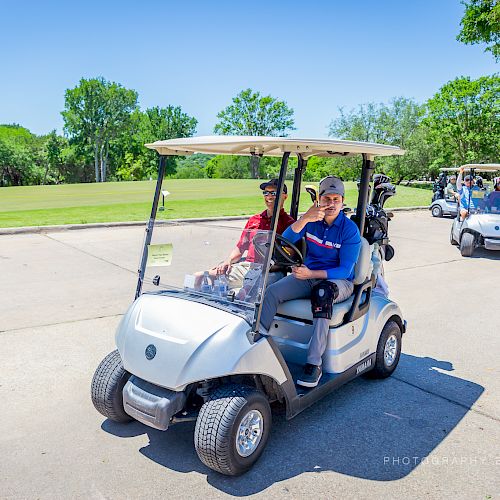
<point x="453" y="241"/>
<point x="436" y="211"/>
<point x="107" y="386"/>
<point x="467" y="244"/>
<point x="218" y="423"/>
<point x="381" y="368"/>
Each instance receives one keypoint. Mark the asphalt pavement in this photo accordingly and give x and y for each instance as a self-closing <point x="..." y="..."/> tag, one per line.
<point x="432" y="430"/>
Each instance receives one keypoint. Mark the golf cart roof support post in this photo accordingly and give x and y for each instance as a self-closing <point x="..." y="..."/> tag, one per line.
<point x="149" y="228"/>
<point x="297" y="180"/>
<point x="274" y="227"/>
<point x="364" y="186"/>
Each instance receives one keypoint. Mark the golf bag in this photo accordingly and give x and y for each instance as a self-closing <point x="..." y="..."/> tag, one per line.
<point x="377" y="219"/>
<point x="439" y="187"/>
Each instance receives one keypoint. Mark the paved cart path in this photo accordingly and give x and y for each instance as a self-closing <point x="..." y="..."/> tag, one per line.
<point x="430" y="431"/>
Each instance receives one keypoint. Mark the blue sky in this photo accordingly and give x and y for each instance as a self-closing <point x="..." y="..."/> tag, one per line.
<point x="315" y="55"/>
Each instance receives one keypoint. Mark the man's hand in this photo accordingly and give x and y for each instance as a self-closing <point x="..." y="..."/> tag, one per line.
<point x="462" y="169"/>
<point x="314" y="214"/>
<point x="224" y="267"/>
<point x="302" y="272"/>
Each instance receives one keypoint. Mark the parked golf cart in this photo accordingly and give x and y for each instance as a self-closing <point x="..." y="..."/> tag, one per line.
<point x="441" y="203"/>
<point x="481" y="227"/>
<point x="184" y="354"/>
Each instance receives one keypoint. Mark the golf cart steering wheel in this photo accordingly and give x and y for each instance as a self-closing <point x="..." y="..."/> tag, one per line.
<point x="285" y="252"/>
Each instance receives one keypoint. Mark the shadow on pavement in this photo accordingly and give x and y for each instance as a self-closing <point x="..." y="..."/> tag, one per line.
<point x="377" y="430"/>
<point x="481" y="253"/>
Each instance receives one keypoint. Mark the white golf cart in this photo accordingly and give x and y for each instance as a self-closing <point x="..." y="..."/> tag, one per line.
<point x="481" y="227"/>
<point x="186" y="354"/>
<point x="443" y="204"/>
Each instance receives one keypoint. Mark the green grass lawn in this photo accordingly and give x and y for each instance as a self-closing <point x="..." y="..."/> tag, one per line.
<point x="131" y="201"/>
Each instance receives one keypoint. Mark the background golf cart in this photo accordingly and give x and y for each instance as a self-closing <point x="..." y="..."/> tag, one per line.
<point x="481" y="228"/>
<point x="200" y="356"/>
<point x="441" y="204"/>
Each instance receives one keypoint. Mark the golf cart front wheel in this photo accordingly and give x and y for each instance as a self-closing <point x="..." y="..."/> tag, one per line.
<point x="232" y="429"/>
<point x="107" y="386"/>
<point x="436" y="211"/>
<point x="467" y="244"/>
<point x="388" y="351"/>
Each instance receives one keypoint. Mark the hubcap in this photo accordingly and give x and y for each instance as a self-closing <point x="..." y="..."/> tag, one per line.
<point x="249" y="433"/>
<point x="390" y="350"/>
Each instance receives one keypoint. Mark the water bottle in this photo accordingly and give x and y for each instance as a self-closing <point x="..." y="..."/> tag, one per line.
<point x="223" y="286"/>
<point x="206" y="287"/>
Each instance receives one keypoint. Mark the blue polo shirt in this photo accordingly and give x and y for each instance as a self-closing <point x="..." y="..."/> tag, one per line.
<point x="334" y="249"/>
<point x="464" y="197"/>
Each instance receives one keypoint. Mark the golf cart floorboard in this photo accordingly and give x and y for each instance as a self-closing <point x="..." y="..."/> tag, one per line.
<point x="296" y="372"/>
<point x="328" y="382"/>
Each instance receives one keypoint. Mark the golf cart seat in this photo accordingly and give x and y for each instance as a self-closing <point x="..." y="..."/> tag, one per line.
<point x="348" y="310"/>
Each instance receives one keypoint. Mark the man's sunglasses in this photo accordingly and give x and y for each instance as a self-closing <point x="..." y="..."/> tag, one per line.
<point x="269" y="193"/>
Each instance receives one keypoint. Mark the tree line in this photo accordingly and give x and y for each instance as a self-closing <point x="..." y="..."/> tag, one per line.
<point x="105" y="130"/>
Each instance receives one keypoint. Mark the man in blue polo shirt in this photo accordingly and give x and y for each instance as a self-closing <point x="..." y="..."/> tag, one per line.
<point x="333" y="244"/>
<point x="468" y="194"/>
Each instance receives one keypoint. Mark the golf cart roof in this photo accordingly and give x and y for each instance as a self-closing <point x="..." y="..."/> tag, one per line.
<point x="270" y="146"/>
<point x="482" y="167"/>
<point x="478" y="167"/>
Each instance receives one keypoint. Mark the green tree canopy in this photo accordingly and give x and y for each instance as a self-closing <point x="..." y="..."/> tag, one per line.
<point x="97" y="112"/>
<point x="253" y="114"/>
<point x="21" y="156"/>
<point x="396" y="124"/>
<point x="154" y="124"/>
<point x="464" y="121"/>
<point x="481" y="24"/>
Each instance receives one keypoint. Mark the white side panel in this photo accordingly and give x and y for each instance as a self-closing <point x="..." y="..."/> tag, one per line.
<point x="347" y="344"/>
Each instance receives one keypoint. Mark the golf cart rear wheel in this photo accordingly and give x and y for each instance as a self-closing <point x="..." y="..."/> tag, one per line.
<point x="453" y="241"/>
<point x="436" y="211"/>
<point x="232" y="429"/>
<point x="388" y="351"/>
<point x="107" y="386"/>
<point x="467" y="244"/>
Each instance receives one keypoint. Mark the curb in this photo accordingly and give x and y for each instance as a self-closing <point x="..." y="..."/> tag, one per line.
<point x="96" y="225"/>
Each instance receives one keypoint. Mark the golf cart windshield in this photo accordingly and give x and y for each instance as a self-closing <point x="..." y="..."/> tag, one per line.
<point x="485" y="202"/>
<point x="182" y="259"/>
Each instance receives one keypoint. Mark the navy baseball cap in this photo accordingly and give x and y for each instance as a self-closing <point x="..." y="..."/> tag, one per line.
<point x="274" y="184"/>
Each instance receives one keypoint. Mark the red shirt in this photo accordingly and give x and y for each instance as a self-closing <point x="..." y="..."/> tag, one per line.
<point x="260" y="222"/>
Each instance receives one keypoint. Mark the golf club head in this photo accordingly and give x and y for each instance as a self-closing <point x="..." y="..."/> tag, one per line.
<point x="313" y="192"/>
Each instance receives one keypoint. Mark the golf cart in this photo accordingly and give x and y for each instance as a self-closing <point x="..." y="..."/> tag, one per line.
<point x="481" y="227"/>
<point x="441" y="203"/>
<point x="188" y="354"/>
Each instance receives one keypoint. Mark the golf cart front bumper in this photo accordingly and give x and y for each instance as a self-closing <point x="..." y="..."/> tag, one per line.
<point x="492" y="243"/>
<point x="151" y="405"/>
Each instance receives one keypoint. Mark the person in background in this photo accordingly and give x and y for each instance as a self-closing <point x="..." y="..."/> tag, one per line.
<point x="465" y="189"/>
<point x="451" y="190"/>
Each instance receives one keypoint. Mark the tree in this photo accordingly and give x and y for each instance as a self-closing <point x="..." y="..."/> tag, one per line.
<point x="96" y="112"/>
<point x="396" y="124"/>
<point x="54" y="147"/>
<point x="251" y="114"/>
<point x="21" y="156"/>
<point x="481" y="24"/>
<point x="152" y="125"/>
<point x="229" y="167"/>
<point x="464" y="120"/>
